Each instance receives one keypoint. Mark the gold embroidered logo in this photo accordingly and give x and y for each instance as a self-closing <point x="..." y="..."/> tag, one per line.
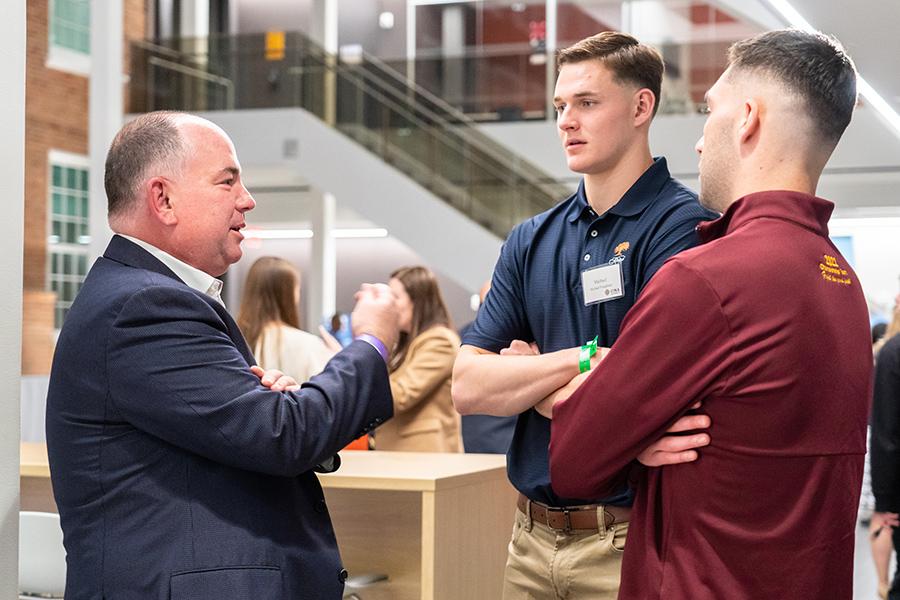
<point x="619" y="253"/>
<point x="831" y="271"/>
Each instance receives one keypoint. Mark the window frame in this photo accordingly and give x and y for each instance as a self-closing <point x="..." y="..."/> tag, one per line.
<point x="80" y="218"/>
<point x="63" y="58"/>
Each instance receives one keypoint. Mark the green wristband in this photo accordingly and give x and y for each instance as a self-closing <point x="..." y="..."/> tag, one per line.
<point x="584" y="357"/>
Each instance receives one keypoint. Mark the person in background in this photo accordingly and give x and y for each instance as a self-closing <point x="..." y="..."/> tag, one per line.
<point x="337" y="328"/>
<point x="269" y="319"/>
<point x="424" y="417"/>
<point x="488" y="434"/>
<point x="885" y="456"/>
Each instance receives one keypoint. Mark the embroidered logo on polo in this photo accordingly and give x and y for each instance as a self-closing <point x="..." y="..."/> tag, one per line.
<point x="832" y="271"/>
<point x="619" y="253"/>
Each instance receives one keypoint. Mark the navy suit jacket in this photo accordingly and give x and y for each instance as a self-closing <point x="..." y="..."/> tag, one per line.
<point x="178" y="475"/>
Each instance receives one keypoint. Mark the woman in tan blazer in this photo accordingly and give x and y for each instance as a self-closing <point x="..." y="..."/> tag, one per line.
<point x="424" y="417"/>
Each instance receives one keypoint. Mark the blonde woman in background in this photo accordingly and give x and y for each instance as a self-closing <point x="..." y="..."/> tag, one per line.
<point x="424" y="417"/>
<point x="269" y="319"/>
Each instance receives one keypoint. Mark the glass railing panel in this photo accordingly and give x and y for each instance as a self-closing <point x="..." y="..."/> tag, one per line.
<point x="417" y="132"/>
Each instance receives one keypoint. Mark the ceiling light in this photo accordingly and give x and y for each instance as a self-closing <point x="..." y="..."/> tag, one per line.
<point x="884" y="110"/>
<point x="305" y="234"/>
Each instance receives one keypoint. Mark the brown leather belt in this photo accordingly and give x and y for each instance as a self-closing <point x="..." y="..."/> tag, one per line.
<point x="572" y="518"/>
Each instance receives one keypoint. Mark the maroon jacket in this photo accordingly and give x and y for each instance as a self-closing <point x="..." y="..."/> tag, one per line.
<point x="767" y="325"/>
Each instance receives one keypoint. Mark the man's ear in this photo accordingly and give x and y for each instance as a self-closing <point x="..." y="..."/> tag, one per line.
<point x="751" y="121"/>
<point x="643" y="106"/>
<point x="159" y="200"/>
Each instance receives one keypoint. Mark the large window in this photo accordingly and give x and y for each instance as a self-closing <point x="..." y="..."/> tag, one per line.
<point x="69" y="29"/>
<point x="69" y="238"/>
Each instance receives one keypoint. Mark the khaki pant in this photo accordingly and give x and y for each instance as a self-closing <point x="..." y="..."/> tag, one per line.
<point x="544" y="563"/>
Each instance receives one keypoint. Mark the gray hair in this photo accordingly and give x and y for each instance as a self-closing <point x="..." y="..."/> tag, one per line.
<point x="151" y="142"/>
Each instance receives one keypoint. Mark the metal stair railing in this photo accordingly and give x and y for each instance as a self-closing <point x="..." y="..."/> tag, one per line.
<point x="406" y="126"/>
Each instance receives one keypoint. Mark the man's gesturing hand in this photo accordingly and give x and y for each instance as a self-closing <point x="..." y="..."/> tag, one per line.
<point x="376" y="314"/>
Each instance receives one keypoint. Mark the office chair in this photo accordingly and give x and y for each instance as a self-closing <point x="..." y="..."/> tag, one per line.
<point x="42" y="558"/>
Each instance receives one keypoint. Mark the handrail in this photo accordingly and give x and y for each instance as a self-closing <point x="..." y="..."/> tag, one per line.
<point x="462" y="122"/>
<point x="438" y="130"/>
<point x="433" y="142"/>
<point x="199" y="74"/>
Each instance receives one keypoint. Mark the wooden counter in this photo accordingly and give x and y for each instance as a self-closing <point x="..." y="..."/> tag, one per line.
<point x="34" y="478"/>
<point x="437" y="524"/>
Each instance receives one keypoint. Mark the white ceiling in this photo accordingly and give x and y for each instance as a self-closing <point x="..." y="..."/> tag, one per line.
<point x="869" y="31"/>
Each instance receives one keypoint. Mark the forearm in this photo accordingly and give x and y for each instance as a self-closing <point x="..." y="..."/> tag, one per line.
<point x="485" y="383"/>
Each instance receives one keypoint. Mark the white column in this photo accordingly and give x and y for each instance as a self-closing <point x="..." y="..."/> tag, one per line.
<point x="324" y="24"/>
<point x="320" y="284"/>
<point x="453" y="44"/>
<point x="12" y="172"/>
<point x="105" y="108"/>
<point x="324" y="31"/>
<point x="411" y="40"/>
<point x="551" y="42"/>
<point x="195" y="18"/>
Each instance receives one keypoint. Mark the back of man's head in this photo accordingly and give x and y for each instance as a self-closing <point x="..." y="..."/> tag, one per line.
<point x="627" y="59"/>
<point x="151" y="144"/>
<point x="810" y="65"/>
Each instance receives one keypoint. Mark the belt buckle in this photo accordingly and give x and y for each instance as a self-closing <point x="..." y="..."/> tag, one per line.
<point x="568" y="520"/>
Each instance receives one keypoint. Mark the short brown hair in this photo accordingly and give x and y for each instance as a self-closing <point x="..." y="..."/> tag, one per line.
<point x="429" y="308"/>
<point x="268" y="297"/>
<point x="149" y="141"/>
<point x="629" y="60"/>
<point x="813" y="65"/>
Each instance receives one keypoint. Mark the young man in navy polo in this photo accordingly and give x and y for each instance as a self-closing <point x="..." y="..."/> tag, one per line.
<point x="567" y="276"/>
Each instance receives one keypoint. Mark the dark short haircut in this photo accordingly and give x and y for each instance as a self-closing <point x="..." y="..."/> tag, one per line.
<point x="629" y="60"/>
<point x="149" y="141"/>
<point x="813" y="65"/>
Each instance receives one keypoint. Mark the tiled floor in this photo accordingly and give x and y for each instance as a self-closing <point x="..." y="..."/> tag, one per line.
<point x="864" y="585"/>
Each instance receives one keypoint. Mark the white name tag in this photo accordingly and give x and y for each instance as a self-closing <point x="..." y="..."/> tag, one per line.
<point x="603" y="283"/>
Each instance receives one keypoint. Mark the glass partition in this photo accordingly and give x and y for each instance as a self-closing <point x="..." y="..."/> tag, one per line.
<point x="408" y="127"/>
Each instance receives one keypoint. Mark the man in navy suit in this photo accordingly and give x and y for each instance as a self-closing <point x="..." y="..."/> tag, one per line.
<point x="176" y="472"/>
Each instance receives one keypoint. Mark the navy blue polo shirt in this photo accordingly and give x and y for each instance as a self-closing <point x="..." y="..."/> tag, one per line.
<point x="536" y="292"/>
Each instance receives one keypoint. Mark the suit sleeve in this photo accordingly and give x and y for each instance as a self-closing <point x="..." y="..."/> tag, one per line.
<point x="175" y="373"/>
<point x="673" y="350"/>
<point x="885" y="449"/>
<point x="428" y="365"/>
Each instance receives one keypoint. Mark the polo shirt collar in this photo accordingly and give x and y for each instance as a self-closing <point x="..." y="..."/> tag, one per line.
<point x="635" y="200"/>
<point x="807" y="211"/>
<point x="192" y="276"/>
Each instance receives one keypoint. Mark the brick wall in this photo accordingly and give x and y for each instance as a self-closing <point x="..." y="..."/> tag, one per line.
<point x="56" y="117"/>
